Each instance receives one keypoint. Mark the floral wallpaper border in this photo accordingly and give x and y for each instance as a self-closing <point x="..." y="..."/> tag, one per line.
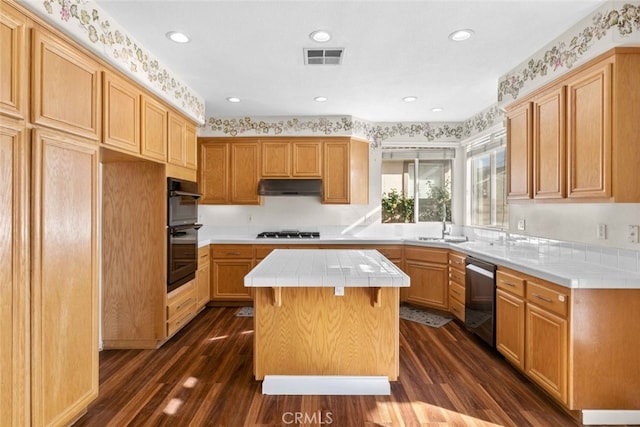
<point x="96" y="29"/>
<point x="376" y="133"/>
<point x="561" y="56"/>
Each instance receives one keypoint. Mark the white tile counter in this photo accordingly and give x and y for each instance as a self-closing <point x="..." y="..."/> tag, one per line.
<point x="326" y="268"/>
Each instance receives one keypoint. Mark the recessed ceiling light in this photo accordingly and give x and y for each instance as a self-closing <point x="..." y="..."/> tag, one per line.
<point x="320" y="99"/>
<point x="409" y="98"/>
<point x="320" y="36"/>
<point x="461" y="35"/>
<point x="437" y="109"/>
<point x="178" y="37"/>
<point x="233" y="99"/>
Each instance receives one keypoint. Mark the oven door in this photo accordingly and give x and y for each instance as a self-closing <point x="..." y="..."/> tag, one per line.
<point x="182" y="251"/>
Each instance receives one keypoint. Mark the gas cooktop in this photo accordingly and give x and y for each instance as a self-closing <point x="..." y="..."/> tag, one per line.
<point x="289" y="234"/>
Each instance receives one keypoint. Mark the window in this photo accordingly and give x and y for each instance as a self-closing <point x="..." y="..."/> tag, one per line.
<point x="486" y="163"/>
<point x="416" y="175"/>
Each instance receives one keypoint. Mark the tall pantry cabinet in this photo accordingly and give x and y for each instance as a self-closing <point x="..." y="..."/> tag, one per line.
<point x="49" y="130"/>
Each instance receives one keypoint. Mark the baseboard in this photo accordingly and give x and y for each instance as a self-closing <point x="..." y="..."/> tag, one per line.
<point x="610" y="417"/>
<point x="325" y="385"/>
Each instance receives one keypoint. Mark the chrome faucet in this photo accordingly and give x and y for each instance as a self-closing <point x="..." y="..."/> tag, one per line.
<point x="444" y="221"/>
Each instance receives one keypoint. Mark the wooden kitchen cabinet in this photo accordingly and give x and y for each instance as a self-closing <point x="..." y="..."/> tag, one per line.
<point x="66" y="87"/>
<point x="182" y="306"/>
<point x="153" y="129"/>
<point x="291" y="158"/>
<point x="14" y="75"/>
<point x="229" y="265"/>
<point x="203" y="277"/>
<point x="457" y="284"/>
<point x="519" y="137"/>
<point x="64" y="283"/>
<point x="177" y="143"/>
<point x="214" y="172"/>
<point x="345" y="177"/>
<point x="121" y="113"/>
<point x="582" y="131"/>
<point x="510" y="317"/>
<point x="549" y="145"/>
<point x="428" y="271"/>
<point x="245" y="166"/>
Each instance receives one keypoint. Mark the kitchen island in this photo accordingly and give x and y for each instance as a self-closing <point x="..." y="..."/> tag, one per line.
<point x="326" y="314"/>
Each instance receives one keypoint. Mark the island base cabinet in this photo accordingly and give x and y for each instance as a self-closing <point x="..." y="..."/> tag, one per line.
<point x="546" y="351"/>
<point x="314" y="332"/>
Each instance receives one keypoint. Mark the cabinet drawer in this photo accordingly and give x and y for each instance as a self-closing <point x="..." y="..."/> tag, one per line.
<point x="391" y="253"/>
<point x="548" y="298"/>
<point x="456" y="291"/>
<point x="179" y="321"/>
<point x="457" y="261"/>
<point x="232" y="251"/>
<point x="510" y="283"/>
<point x="457" y="308"/>
<point x="181" y="299"/>
<point x="439" y="256"/>
<point x="263" y="250"/>
<point x="457" y="276"/>
<point x="203" y="255"/>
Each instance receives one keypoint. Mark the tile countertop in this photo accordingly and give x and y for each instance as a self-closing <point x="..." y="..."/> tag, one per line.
<point x="557" y="269"/>
<point x="326" y="268"/>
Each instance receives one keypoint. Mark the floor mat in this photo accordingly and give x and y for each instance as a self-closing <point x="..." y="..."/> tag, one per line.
<point x="423" y="316"/>
<point x="245" y="312"/>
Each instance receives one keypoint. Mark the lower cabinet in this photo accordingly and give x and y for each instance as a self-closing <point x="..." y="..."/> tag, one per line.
<point x="457" y="285"/>
<point x="182" y="306"/>
<point x="510" y="317"/>
<point x="203" y="290"/>
<point x="427" y="268"/>
<point x="229" y="265"/>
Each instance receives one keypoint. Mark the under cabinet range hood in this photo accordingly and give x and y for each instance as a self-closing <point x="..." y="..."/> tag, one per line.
<point x="290" y="187"/>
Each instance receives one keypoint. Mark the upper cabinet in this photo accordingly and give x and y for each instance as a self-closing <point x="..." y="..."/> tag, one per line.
<point x="121" y="113"/>
<point x="230" y="168"/>
<point x="581" y="131"/>
<point x="153" y="129"/>
<point x="345" y="176"/>
<point x="65" y="87"/>
<point x="182" y="142"/>
<point x="13" y="66"/>
<point x="286" y="158"/>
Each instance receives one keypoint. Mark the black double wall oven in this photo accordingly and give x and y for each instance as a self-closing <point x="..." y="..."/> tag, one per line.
<point x="182" y="232"/>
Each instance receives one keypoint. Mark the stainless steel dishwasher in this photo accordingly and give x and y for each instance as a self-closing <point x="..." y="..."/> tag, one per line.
<point x="480" y="299"/>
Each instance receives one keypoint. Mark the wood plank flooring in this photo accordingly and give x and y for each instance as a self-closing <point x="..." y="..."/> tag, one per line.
<point x="203" y="377"/>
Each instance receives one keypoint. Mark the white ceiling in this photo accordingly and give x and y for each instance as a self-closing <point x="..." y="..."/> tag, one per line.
<point x="254" y="50"/>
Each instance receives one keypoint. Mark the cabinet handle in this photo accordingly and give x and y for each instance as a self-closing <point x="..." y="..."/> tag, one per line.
<point x="455" y="291"/>
<point x="233" y="253"/>
<point x="543" y="298"/>
<point x="181" y="305"/>
<point x="504" y="282"/>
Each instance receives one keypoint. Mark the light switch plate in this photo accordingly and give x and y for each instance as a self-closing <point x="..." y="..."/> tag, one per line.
<point x="522" y="225"/>
<point x="632" y="234"/>
<point x="602" y="232"/>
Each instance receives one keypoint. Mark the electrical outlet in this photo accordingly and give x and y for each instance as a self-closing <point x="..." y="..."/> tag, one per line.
<point x="602" y="232"/>
<point x="632" y="234"/>
<point x="522" y="225"/>
<point x="339" y="291"/>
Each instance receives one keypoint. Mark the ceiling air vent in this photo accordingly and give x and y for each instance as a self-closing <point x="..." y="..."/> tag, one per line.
<point x="332" y="56"/>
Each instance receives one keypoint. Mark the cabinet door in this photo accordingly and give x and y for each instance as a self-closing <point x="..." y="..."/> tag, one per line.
<point x="153" y="132"/>
<point x="510" y="327"/>
<point x="14" y="276"/>
<point x="191" y="144"/>
<point x="335" y="179"/>
<point x="227" y="280"/>
<point x="428" y="284"/>
<point x="245" y="166"/>
<point x="306" y="159"/>
<point x="546" y="351"/>
<point x="121" y="114"/>
<point x="549" y="146"/>
<point x="177" y="142"/>
<point x="213" y="172"/>
<point x="202" y="283"/>
<point x="276" y="159"/>
<point x="589" y="133"/>
<point x="519" y="135"/>
<point x="14" y="77"/>
<point x="66" y="87"/>
<point x="64" y="299"/>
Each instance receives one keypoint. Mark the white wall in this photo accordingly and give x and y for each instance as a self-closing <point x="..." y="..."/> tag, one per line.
<point x="577" y="222"/>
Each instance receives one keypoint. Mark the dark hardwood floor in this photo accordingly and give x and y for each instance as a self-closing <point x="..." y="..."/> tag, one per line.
<point x="203" y="377"/>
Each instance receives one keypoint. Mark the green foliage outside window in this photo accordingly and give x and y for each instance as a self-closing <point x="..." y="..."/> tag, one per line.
<point x="396" y="207"/>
